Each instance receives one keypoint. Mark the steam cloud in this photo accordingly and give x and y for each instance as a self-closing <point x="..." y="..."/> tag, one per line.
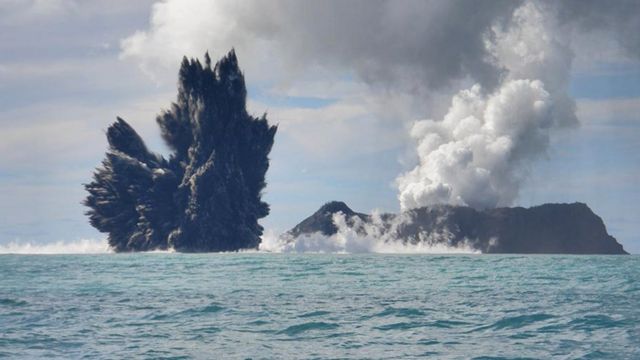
<point x="479" y="154"/>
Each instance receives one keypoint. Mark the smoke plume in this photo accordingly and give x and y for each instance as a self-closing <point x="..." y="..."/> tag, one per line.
<point x="480" y="152"/>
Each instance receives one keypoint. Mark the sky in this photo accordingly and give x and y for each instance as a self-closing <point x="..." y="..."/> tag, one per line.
<point x="352" y="85"/>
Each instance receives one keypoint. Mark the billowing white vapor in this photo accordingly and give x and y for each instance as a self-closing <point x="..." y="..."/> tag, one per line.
<point x="480" y="152"/>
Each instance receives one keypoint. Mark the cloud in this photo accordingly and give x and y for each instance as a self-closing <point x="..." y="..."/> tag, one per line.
<point x="49" y="150"/>
<point x="617" y="19"/>
<point x="420" y="50"/>
<point x="414" y="46"/>
<point x="419" y="45"/>
<point x="29" y="12"/>
<point x="480" y="152"/>
<point x="520" y="55"/>
<point x="346" y="128"/>
<point x="55" y="136"/>
<point x="49" y="141"/>
<point x="18" y="11"/>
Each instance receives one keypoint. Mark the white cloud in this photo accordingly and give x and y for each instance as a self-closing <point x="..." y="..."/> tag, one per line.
<point x="351" y="126"/>
<point x="47" y="142"/>
<point x="18" y="13"/>
<point x="47" y="136"/>
<point x="480" y="153"/>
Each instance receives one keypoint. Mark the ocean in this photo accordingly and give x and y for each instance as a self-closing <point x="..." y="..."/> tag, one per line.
<point x="319" y="306"/>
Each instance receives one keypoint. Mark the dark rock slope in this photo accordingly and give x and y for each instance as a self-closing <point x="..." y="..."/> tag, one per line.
<point x="322" y="220"/>
<point x="207" y="195"/>
<point x="545" y="229"/>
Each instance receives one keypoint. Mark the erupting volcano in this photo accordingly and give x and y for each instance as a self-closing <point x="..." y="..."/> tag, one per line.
<point x="207" y="195"/>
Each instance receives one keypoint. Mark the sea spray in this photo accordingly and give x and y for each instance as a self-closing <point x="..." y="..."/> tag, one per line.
<point x="357" y="236"/>
<point x="81" y="246"/>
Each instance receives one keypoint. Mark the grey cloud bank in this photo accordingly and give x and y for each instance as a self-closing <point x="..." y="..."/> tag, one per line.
<point x="412" y="44"/>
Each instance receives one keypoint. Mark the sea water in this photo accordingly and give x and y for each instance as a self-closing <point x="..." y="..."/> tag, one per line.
<point x="311" y="306"/>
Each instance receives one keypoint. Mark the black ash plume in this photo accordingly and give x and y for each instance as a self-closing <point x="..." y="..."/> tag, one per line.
<point x="207" y="195"/>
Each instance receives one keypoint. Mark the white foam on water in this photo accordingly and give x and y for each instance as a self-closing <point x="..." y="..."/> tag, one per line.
<point x="349" y="244"/>
<point x="80" y="246"/>
<point x="356" y="238"/>
<point x="360" y="237"/>
<point x="158" y="251"/>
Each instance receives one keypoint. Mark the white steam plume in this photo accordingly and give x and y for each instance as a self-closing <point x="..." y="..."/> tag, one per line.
<point x="480" y="153"/>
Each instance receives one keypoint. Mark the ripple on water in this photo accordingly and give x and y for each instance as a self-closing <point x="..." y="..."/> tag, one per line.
<point x="515" y="322"/>
<point x="192" y="312"/>
<point x="501" y="358"/>
<point x="258" y="322"/>
<point x="397" y="312"/>
<point x="314" y="314"/>
<point x="443" y="324"/>
<point x="595" y="322"/>
<point x="12" y="302"/>
<point x="400" y="326"/>
<point x="294" y="330"/>
<point x="207" y="330"/>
